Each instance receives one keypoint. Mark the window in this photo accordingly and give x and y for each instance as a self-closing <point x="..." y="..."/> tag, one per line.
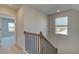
<point x="61" y="25"/>
<point x="11" y="27"/>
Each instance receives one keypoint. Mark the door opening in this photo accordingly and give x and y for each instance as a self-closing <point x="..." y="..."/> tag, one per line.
<point x="7" y="31"/>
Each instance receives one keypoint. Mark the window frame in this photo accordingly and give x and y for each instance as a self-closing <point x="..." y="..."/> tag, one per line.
<point x="62" y="25"/>
<point x="9" y="27"/>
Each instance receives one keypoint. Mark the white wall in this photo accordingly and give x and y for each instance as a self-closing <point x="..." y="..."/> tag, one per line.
<point x="70" y="43"/>
<point x="35" y="21"/>
<point x="30" y="20"/>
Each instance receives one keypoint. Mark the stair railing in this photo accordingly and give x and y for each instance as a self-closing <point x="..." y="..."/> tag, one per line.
<point x="38" y="44"/>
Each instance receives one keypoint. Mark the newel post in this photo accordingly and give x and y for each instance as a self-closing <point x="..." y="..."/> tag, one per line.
<point x="41" y="34"/>
<point x="24" y="32"/>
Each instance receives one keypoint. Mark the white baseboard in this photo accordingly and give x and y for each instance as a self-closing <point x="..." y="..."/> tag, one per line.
<point x="25" y="51"/>
<point x="22" y="49"/>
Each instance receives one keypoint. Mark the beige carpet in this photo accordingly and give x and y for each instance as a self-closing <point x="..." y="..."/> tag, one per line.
<point x="11" y="50"/>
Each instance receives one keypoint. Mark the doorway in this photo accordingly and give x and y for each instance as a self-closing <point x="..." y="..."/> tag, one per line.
<point x="7" y="31"/>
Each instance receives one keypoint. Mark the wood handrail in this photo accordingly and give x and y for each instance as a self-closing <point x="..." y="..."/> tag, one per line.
<point x="41" y="39"/>
<point x="41" y="35"/>
<point x="45" y="39"/>
<point x="30" y="33"/>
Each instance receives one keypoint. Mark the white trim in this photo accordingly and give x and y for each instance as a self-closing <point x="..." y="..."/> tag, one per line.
<point x="25" y="51"/>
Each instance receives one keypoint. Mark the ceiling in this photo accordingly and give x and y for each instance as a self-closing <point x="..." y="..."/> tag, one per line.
<point x="13" y="6"/>
<point x="47" y="9"/>
<point x="6" y="16"/>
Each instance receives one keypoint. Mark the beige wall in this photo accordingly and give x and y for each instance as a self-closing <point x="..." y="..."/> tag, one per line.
<point x="20" y="28"/>
<point x="69" y="43"/>
<point x="30" y="20"/>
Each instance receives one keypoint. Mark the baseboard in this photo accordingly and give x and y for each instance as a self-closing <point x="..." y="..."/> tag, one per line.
<point x="22" y="49"/>
<point x="25" y="51"/>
